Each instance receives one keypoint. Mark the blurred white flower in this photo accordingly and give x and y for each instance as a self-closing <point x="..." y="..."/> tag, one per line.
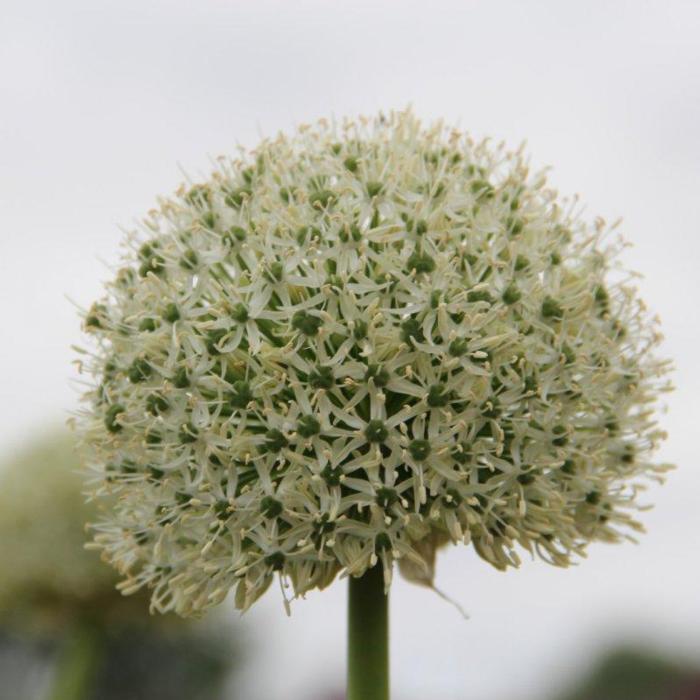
<point x="47" y="577"/>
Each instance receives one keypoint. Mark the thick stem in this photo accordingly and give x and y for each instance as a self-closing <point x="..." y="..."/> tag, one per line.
<point x="368" y="637"/>
<point x="77" y="664"/>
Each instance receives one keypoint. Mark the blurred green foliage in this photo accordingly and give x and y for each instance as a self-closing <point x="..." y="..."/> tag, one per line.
<point x="631" y="673"/>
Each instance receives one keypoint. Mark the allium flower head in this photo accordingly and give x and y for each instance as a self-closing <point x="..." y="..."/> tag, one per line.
<point x="354" y="345"/>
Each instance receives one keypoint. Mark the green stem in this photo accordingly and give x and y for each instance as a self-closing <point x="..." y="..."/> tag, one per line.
<point x="368" y="637"/>
<point x="76" y="665"/>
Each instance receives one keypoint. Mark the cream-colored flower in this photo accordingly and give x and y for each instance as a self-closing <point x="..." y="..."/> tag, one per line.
<point x="355" y="341"/>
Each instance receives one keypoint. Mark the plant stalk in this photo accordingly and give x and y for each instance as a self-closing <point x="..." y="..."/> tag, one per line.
<point x="77" y="664"/>
<point x="368" y="637"/>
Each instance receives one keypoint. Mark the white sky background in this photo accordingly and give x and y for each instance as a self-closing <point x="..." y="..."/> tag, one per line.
<point x="101" y="102"/>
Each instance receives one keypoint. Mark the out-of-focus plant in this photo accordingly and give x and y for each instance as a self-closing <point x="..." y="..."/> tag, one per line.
<point x="52" y="587"/>
<point x="637" y="673"/>
<point x="49" y="579"/>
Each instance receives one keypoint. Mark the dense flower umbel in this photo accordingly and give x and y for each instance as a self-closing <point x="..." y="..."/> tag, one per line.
<point x="357" y="344"/>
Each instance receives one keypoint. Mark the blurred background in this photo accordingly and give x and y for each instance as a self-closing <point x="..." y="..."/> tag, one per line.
<point x="104" y="105"/>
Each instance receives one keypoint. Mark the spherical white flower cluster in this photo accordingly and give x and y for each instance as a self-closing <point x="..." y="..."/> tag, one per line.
<point x="354" y="345"/>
